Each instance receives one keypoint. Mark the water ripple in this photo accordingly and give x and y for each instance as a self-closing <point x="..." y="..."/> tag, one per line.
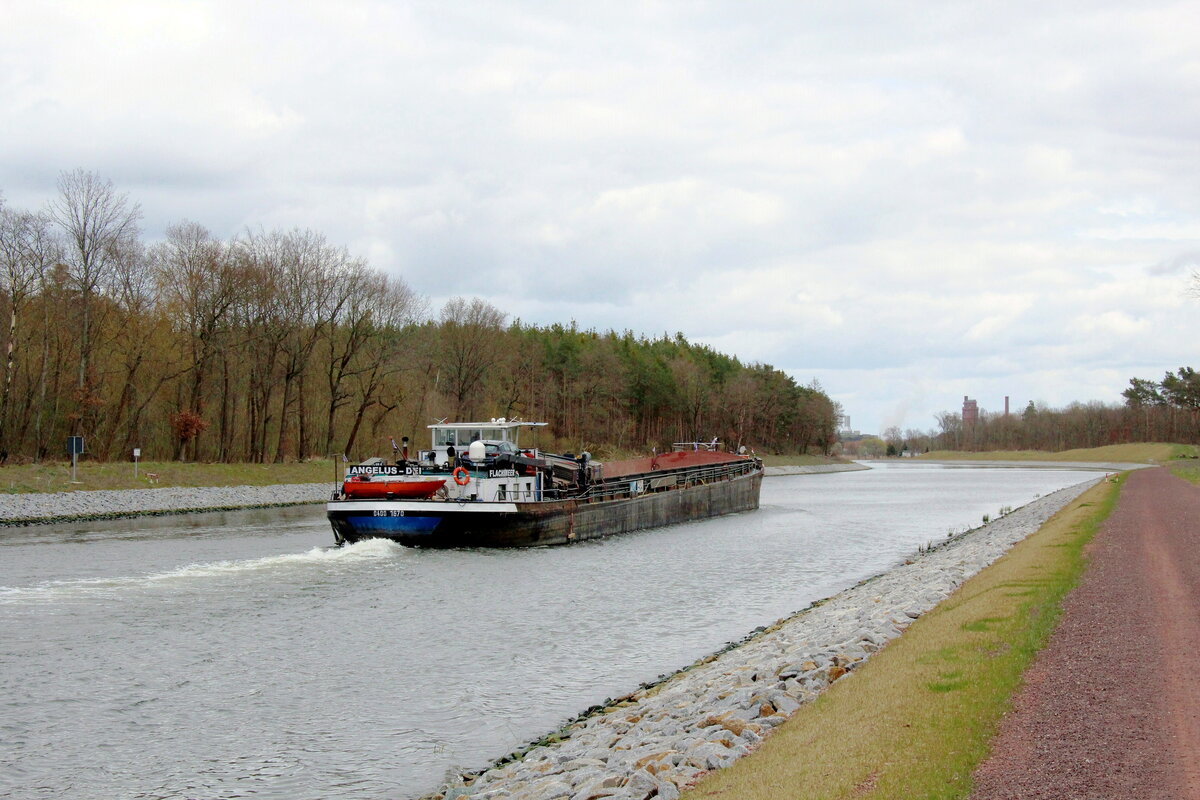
<point x="236" y="656"/>
<point x="319" y="558"/>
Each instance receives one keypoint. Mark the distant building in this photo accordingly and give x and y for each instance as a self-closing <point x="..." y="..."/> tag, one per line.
<point x="970" y="412"/>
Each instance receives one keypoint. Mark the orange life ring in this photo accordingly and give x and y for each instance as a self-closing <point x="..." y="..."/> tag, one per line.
<point x="461" y="476"/>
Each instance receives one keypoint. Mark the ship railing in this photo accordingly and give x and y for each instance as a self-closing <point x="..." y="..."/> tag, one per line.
<point x="525" y="495"/>
<point x="710" y="447"/>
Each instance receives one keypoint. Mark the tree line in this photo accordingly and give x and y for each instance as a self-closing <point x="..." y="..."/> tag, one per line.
<point x="280" y="345"/>
<point x="1152" y="411"/>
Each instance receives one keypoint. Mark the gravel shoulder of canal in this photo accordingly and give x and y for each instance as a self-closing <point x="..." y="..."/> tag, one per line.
<point x="662" y="737"/>
<point x="53" y="507"/>
<point x="1102" y="466"/>
<point x="812" y="469"/>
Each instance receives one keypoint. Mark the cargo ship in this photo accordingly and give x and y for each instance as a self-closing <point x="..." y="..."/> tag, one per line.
<point x="477" y="487"/>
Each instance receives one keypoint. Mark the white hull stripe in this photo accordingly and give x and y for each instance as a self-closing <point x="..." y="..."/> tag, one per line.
<point x="426" y="507"/>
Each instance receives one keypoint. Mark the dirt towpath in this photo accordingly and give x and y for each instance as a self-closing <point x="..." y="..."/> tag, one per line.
<point x="1111" y="707"/>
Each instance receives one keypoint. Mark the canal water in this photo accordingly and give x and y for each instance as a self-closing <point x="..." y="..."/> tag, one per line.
<point x="238" y="655"/>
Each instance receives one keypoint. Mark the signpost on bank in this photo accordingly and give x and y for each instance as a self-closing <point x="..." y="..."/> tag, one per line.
<point x="137" y="452"/>
<point x="74" y="447"/>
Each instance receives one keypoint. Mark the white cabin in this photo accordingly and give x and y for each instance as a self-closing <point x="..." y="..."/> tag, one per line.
<point x="459" y="435"/>
<point x="475" y="440"/>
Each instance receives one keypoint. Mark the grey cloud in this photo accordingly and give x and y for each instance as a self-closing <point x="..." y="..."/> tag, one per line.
<point x="852" y="189"/>
<point x="1182" y="262"/>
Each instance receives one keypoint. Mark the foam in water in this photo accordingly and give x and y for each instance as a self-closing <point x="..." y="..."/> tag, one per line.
<point x="368" y="550"/>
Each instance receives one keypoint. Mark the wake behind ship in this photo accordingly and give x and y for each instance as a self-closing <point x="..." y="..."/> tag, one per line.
<point x="476" y="487"/>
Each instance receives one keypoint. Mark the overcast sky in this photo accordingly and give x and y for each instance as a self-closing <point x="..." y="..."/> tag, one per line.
<point x="908" y="202"/>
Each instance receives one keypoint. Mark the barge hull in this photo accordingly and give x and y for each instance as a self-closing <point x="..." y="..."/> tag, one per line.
<point x="475" y="524"/>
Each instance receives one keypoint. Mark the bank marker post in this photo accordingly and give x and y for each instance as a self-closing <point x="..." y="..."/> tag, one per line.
<point x="137" y="452"/>
<point x="74" y="447"/>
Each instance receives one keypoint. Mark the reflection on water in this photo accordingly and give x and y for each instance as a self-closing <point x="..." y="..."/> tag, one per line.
<point x="237" y="654"/>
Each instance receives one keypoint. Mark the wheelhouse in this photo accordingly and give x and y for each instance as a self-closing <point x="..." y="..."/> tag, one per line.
<point x="498" y="436"/>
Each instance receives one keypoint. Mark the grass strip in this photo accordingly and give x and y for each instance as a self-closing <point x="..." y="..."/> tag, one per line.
<point x="1139" y="453"/>
<point x="56" y="476"/>
<point x="1188" y="470"/>
<point x="916" y="719"/>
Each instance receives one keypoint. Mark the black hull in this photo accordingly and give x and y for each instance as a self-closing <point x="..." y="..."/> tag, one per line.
<point x="441" y="524"/>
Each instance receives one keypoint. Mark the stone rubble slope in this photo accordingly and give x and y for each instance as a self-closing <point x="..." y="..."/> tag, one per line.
<point x="22" y="509"/>
<point x="663" y="737"/>
<point x="812" y="469"/>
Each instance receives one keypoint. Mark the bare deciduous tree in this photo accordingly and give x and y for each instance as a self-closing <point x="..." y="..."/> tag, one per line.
<point x="135" y="297"/>
<point x="18" y="278"/>
<point x="97" y="223"/>
<point x="362" y="339"/>
<point x="471" y="336"/>
<point x="263" y="324"/>
<point x="198" y="284"/>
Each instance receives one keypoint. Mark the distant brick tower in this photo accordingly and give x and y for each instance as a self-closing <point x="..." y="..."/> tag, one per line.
<point x="970" y="414"/>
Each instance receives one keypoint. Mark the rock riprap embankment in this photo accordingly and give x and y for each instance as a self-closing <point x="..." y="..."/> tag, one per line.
<point x="662" y="737"/>
<point x="812" y="469"/>
<point x="24" y="509"/>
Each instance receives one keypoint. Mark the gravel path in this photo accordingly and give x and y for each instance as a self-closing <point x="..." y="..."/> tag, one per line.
<point x="28" y="509"/>
<point x="1111" y="707"/>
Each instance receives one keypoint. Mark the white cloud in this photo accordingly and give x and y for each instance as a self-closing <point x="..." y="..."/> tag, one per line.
<point x="911" y="203"/>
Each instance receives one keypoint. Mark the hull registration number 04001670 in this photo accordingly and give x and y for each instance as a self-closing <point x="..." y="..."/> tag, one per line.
<point x="385" y="512"/>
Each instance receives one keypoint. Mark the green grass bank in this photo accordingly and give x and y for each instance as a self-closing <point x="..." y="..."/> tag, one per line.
<point x="56" y="476"/>
<point x="1143" y="453"/>
<point x="917" y="718"/>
